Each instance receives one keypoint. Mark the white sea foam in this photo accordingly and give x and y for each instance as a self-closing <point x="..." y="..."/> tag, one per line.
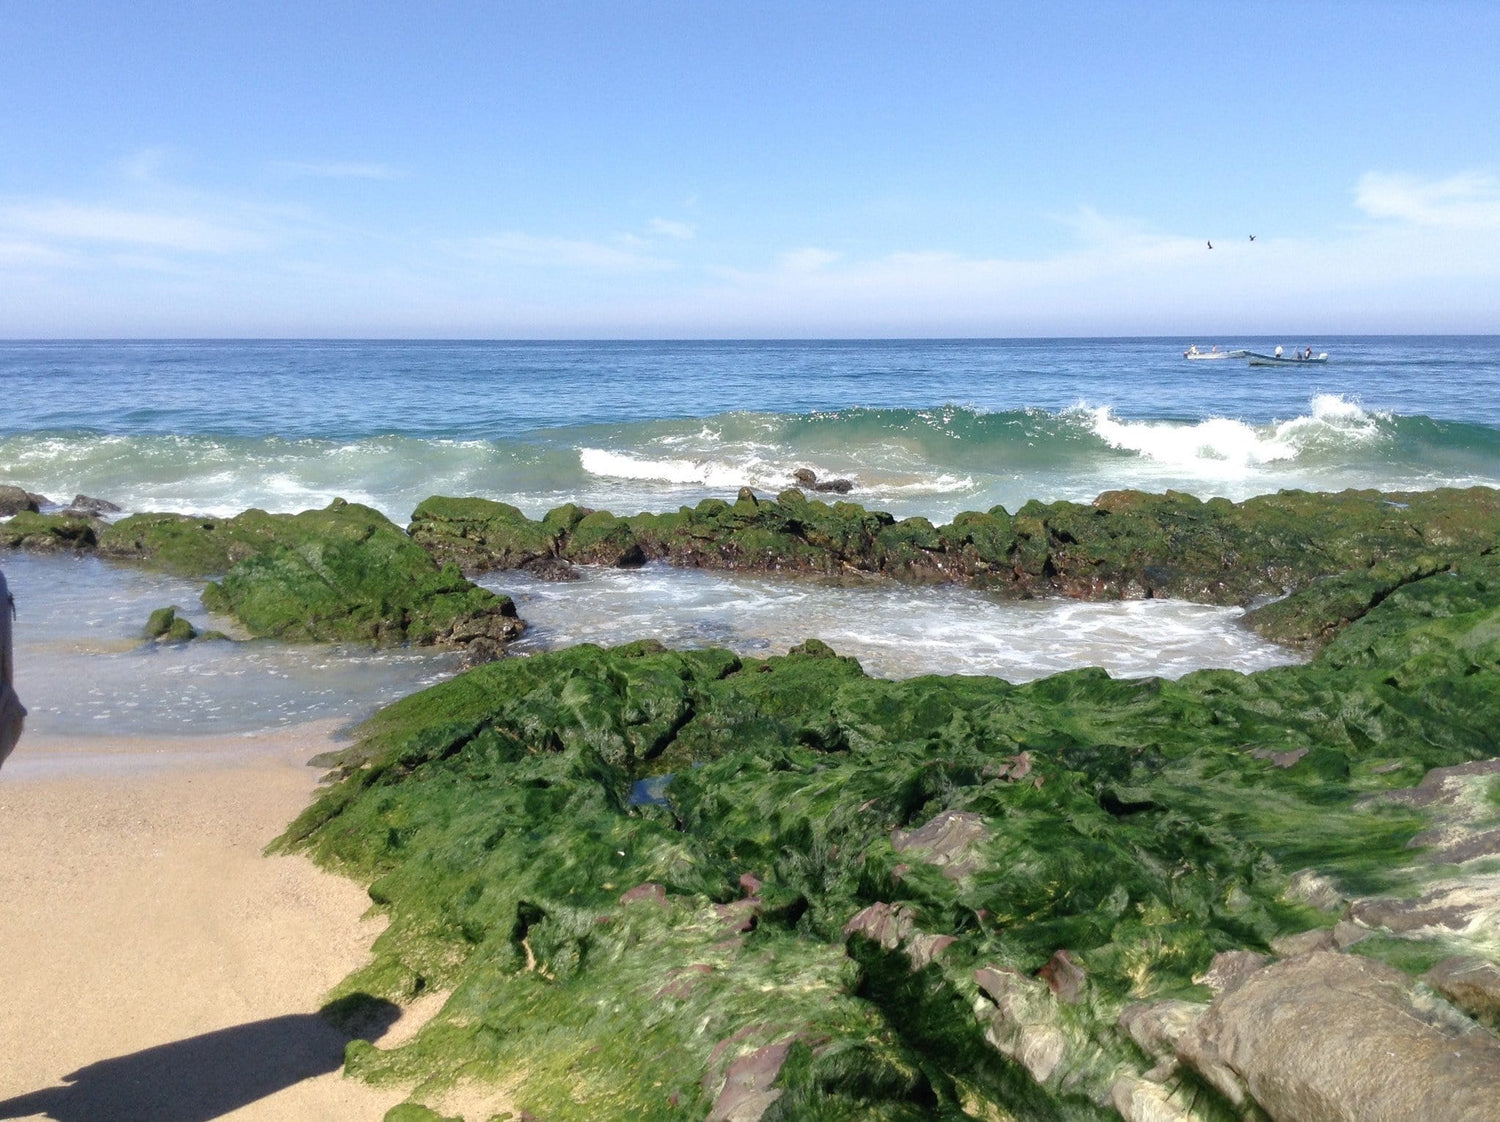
<point x="1225" y="447"/>
<point x="895" y="631"/>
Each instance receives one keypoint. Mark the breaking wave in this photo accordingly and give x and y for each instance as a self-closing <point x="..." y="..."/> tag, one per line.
<point x="934" y="462"/>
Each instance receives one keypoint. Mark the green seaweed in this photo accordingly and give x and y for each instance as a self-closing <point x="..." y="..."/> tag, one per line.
<point x="1141" y="825"/>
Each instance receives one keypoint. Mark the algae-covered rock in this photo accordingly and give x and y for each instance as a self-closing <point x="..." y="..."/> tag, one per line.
<point x="166" y="626"/>
<point x="347" y="573"/>
<point x="1337" y="554"/>
<point x="959" y="885"/>
<point x="186" y="545"/>
<point x="50" y="533"/>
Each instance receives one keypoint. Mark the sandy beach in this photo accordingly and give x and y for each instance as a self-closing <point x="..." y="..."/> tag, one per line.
<point x="156" y="964"/>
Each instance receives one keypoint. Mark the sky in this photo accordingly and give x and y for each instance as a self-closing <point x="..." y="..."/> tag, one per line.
<point x="748" y="170"/>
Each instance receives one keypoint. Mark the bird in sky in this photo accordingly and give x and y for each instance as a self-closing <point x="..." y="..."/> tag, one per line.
<point x="1210" y="245"/>
<point x="1252" y="237"/>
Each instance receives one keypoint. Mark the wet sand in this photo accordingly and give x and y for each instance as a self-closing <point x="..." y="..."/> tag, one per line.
<point x="155" y="964"/>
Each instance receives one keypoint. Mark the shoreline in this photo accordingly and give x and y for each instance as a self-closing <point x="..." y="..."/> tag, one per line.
<point x="150" y="946"/>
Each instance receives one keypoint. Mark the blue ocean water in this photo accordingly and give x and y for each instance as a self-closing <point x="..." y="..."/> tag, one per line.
<point x="920" y="427"/>
<point x="917" y="427"/>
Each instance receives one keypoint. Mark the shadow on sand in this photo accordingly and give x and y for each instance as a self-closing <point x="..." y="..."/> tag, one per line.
<point x="210" y="1075"/>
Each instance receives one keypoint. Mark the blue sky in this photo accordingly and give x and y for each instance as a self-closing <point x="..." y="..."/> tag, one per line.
<point x="712" y="169"/>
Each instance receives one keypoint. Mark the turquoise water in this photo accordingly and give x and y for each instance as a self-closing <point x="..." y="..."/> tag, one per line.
<point x="927" y="428"/>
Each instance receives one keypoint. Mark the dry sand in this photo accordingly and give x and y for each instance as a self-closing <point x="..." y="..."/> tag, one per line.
<point x="153" y="963"/>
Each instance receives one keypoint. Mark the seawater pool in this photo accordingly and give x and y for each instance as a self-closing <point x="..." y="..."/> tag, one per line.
<point x="84" y="671"/>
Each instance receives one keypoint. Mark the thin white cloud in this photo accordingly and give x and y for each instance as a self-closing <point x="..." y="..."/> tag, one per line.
<point x="84" y="223"/>
<point x="809" y="259"/>
<point x="561" y="253"/>
<point x="336" y="169"/>
<point x="669" y="228"/>
<point x="144" y="165"/>
<point x="1470" y="199"/>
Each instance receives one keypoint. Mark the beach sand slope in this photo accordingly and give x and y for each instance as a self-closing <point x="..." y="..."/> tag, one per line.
<point x="154" y="963"/>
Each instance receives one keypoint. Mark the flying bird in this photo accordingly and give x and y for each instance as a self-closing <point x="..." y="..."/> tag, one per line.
<point x="1252" y="237"/>
<point x="1210" y="245"/>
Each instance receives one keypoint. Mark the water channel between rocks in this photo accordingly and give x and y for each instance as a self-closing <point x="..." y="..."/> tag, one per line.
<point x="83" y="671"/>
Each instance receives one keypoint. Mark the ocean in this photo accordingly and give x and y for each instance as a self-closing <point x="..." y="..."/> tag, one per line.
<point x="916" y="427"/>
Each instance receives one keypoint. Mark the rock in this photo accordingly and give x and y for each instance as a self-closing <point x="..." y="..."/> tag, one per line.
<point x="1064" y="977"/>
<point x="1338" y="1038"/>
<point x="1456" y="798"/>
<point x="1462" y="906"/>
<point x="1022" y="1022"/>
<point x="738" y="915"/>
<point x="1156" y="1027"/>
<point x="747" y="1092"/>
<point x="886" y="924"/>
<point x="1312" y="888"/>
<point x="550" y="568"/>
<point x="836" y="486"/>
<point x="1338" y="556"/>
<point x="1141" y="1100"/>
<point x="1280" y="759"/>
<point x="949" y="841"/>
<point x="1471" y="983"/>
<point x="1346" y="934"/>
<point x="84" y="505"/>
<point x="478" y="535"/>
<point x="924" y="949"/>
<point x="1304" y="942"/>
<point x="653" y="893"/>
<point x="14" y="500"/>
<point x="1230" y="969"/>
<point x="50" y="533"/>
<point x="344" y="573"/>
<point x="165" y="625"/>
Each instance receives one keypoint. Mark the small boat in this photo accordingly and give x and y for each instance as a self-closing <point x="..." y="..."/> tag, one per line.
<point x="1194" y="353"/>
<point x="1301" y="358"/>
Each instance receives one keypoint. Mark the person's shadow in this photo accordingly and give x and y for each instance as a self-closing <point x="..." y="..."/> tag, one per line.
<point x="208" y="1076"/>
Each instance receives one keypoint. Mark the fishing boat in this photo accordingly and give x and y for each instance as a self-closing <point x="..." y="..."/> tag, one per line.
<point x="1301" y="358"/>
<point x="1194" y="353"/>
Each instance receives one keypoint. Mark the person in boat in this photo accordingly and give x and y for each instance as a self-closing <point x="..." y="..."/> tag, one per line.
<point x="1193" y="349"/>
<point x="1307" y="353"/>
<point x="1278" y="350"/>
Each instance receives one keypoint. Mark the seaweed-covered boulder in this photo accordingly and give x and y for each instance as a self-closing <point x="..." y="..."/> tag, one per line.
<point x="478" y="535"/>
<point x="50" y="533"/>
<point x="166" y="626"/>
<point x="347" y="573"/>
<point x="189" y="545"/>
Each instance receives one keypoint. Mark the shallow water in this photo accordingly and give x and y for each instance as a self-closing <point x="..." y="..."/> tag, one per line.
<point x="895" y="631"/>
<point x="83" y="670"/>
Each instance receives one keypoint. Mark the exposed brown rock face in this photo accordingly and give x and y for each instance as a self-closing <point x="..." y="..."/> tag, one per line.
<point x="1336" y="1038"/>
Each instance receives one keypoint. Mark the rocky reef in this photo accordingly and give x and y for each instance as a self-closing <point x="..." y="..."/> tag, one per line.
<point x="1338" y="554"/>
<point x="344" y="573"/>
<point x="678" y="885"/>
